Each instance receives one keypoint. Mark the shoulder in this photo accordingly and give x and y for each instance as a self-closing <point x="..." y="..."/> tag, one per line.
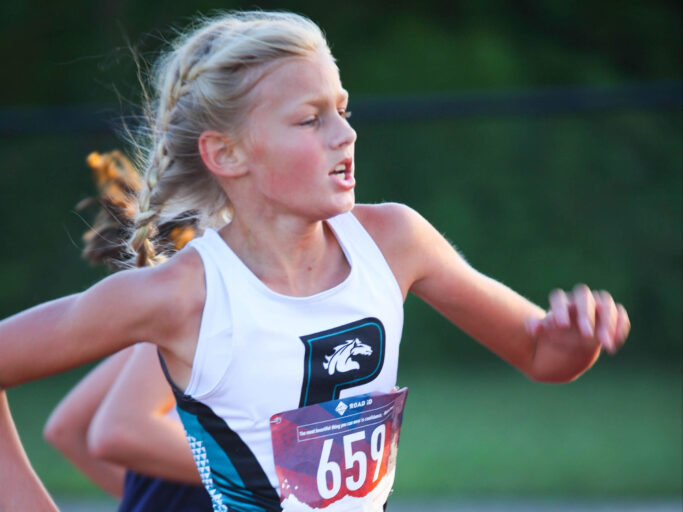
<point x="399" y="232"/>
<point x="167" y="281"/>
<point x="392" y="225"/>
<point x="383" y="219"/>
<point x="160" y="299"/>
<point x="182" y="274"/>
<point x="180" y="286"/>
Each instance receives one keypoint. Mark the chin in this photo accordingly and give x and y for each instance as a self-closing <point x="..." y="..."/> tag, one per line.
<point x="347" y="206"/>
<point x="338" y="207"/>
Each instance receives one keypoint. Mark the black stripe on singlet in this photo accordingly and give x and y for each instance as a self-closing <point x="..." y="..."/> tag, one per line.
<point x="261" y="492"/>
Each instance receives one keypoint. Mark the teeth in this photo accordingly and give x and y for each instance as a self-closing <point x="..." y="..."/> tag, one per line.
<point x="340" y="167"/>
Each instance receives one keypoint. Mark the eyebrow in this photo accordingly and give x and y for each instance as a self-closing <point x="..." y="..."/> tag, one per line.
<point x="323" y="100"/>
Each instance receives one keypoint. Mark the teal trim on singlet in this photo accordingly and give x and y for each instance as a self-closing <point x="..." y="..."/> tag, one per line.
<point x="238" y="485"/>
<point x="219" y="475"/>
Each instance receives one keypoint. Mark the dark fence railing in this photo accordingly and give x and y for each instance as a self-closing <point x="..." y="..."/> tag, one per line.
<point x="25" y="120"/>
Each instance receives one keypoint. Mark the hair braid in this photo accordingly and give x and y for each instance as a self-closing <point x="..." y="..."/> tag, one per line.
<point x="118" y="184"/>
<point x="204" y="83"/>
<point x="151" y="201"/>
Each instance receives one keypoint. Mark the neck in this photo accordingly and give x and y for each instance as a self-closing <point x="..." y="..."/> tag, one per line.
<point x="289" y="255"/>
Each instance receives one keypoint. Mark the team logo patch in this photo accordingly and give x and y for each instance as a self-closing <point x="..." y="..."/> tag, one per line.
<point x="340" y="358"/>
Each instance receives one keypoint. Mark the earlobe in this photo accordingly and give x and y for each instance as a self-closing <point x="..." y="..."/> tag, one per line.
<point x="221" y="155"/>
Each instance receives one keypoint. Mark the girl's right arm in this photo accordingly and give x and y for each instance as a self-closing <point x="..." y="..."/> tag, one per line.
<point x="139" y="304"/>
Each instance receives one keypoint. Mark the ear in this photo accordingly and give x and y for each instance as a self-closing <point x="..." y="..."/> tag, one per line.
<point x="221" y="155"/>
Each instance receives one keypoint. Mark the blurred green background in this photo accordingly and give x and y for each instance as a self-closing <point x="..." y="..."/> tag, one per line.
<point x="537" y="198"/>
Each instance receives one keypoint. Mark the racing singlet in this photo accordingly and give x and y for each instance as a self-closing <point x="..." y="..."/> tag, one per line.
<point x="261" y="355"/>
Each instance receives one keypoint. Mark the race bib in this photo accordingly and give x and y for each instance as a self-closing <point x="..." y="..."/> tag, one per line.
<point x="338" y="455"/>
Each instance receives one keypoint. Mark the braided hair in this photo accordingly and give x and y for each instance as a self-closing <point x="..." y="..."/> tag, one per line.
<point x="203" y="83"/>
<point x="118" y="184"/>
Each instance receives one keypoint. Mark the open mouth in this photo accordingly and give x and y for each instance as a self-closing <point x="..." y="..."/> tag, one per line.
<point x="343" y="169"/>
<point x="340" y="170"/>
<point x="342" y="174"/>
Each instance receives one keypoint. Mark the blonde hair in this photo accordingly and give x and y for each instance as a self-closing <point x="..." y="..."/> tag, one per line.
<point x="203" y="83"/>
<point x="118" y="184"/>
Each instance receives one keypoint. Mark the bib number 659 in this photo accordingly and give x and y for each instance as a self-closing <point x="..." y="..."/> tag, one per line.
<point x="328" y="488"/>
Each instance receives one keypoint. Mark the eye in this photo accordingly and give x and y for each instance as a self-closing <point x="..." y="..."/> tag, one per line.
<point x="346" y="114"/>
<point x="310" y="121"/>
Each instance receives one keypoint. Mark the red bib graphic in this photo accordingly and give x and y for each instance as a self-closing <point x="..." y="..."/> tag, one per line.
<point x="338" y="455"/>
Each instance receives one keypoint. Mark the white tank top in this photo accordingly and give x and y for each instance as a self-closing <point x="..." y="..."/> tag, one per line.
<point x="260" y="352"/>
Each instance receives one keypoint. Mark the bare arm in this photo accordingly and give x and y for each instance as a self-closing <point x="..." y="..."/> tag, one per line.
<point x="140" y="304"/>
<point x="20" y="487"/>
<point x="161" y="304"/>
<point x="67" y="426"/>
<point x="51" y="337"/>
<point x="132" y="428"/>
<point x="556" y="346"/>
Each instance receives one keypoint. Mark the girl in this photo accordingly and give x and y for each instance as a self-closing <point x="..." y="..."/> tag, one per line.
<point x="285" y="322"/>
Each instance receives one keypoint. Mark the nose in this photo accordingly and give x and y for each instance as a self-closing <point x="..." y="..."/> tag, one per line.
<point x="343" y="134"/>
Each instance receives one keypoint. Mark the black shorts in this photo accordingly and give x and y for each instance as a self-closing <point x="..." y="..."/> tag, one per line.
<point x="146" y="494"/>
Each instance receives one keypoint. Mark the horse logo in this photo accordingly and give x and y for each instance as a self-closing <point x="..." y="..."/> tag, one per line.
<point x="340" y="360"/>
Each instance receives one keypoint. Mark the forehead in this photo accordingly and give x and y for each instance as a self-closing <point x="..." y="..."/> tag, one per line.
<point x="299" y="81"/>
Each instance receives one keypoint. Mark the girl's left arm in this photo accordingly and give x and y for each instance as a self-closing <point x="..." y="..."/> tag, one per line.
<point x="556" y="345"/>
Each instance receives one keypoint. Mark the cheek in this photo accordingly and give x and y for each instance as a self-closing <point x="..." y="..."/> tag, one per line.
<point x="291" y="173"/>
<point x="302" y="156"/>
<point x="296" y="162"/>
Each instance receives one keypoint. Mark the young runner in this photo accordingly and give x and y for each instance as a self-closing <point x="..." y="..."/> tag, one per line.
<point x="280" y="329"/>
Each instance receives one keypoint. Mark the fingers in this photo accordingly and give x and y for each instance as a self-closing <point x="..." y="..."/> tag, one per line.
<point x="607" y="316"/>
<point x="536" y="326"/>
<point x="597" y="315"/>
<point x="559" y="306"/>
<point x="533" y="325"/>
<point x="623" y="326"/>
<point x="584" y="302"/>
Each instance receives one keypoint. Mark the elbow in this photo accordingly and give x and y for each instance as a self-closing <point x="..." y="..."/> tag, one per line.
<point x="53" y="432"/>
<point x="59" y="432"/>
<point x="107" y="442"/>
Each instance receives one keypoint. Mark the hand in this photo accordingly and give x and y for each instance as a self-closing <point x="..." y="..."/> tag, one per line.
<point x="592" y="315"/>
